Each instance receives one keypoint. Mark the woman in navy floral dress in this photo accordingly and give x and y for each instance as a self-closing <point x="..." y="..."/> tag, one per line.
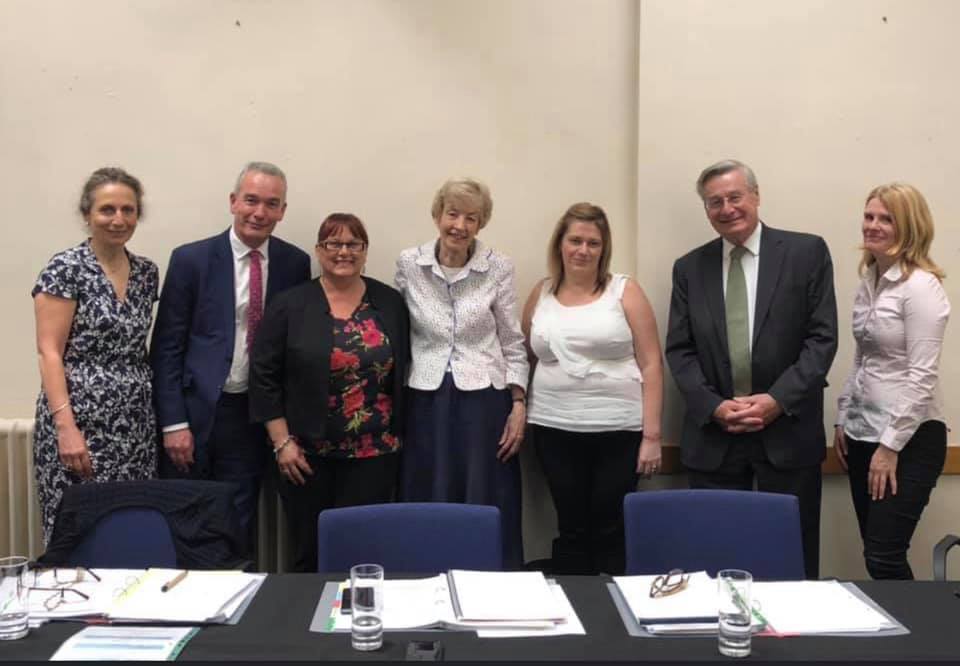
<point x="93" y="306"/>
<point x="326" y="376"/>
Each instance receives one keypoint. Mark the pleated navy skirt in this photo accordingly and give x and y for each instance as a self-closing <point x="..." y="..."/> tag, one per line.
<point x="449" y="454"/>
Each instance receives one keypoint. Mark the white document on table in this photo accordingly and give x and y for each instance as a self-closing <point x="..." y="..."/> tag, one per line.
<point x="815" y="607"/>
<point x="494" y="596"/>
<point x="200" y="597"/>
<point x="427" y="603"/>
<point x="697" y="602"/>
<point x="421" y="603"/>
<point x="414" y="603"/>
<point x="125" y="644"/>
<point x="136" y="595"/>
<point x="571" y="626"/>
<point x="59" y="601"/>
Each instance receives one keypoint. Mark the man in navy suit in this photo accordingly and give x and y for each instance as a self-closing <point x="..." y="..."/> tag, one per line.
<point x="752" y="334"/>
<point x="213" y="295"/>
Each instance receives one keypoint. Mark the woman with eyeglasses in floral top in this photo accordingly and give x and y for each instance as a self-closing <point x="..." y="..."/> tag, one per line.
<point x="326" y="376"/>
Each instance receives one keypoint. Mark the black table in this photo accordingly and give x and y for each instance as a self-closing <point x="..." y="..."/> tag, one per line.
<point x="275" y="628"/>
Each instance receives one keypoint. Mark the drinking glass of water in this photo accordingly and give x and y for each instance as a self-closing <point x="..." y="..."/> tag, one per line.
<point x="735" y="612"/>
<point x="366" y="589"/>
<point x="13" y="597"/>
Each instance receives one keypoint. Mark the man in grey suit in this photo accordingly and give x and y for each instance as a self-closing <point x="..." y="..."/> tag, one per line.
<point x="752" y="334"/>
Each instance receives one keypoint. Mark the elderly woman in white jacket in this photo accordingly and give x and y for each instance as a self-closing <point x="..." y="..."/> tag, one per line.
<point x="468" y="373"/>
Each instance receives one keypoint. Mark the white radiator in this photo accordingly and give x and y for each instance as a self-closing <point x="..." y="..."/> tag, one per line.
<point x="272" y="549"/>
<point x="20" y="532"/>
<point x="20" y="514"/>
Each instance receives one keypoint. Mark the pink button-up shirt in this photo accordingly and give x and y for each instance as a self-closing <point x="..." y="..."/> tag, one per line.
<point x="894" y="386"/>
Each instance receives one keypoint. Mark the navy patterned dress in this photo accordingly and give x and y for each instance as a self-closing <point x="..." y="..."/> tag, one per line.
<point x="108" y="377"/>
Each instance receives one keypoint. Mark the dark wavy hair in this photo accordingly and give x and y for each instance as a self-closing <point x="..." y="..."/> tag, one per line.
<point x="105" y="176"/>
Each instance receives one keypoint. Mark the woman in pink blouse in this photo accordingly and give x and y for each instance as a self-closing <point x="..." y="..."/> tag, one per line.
<point x="890" y="431"/>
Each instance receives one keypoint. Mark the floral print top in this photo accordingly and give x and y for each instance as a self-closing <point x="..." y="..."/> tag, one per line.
<point x="360" y="406"/>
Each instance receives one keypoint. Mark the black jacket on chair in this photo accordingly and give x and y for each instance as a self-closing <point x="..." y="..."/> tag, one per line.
<point x="199" y="514"/>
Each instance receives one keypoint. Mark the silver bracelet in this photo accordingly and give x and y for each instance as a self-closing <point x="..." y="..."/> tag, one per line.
<point x="278" y="448"/>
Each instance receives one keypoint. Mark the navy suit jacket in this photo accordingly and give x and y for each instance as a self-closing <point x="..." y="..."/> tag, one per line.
<point x="794" y="342"/>
<point x="193" y="337"/>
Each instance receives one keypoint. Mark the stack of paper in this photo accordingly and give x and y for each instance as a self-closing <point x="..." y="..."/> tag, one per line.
<point x="137" y="596"/>
<point x="503" y="603"/>
<point x="199" y="597"/>
<point x="816" y="607"/>
<point x="794" y="607"/>
<point x="514" y="598"/>
<point x="57" y="601"/>
<point x="695" y="603"/>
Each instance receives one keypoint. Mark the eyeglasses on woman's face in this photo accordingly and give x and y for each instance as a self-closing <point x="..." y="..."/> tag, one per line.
<point x="333" y="246"/>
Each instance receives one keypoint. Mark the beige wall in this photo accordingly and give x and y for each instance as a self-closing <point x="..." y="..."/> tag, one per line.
<point x="824" y="100"/>
<point x="370" y="104"/>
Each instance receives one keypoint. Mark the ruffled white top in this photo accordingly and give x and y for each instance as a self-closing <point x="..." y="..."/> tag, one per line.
<point x="587" y="378"/>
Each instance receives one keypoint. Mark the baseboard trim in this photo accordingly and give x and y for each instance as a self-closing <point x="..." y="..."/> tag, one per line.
<point x="672" y="465"/>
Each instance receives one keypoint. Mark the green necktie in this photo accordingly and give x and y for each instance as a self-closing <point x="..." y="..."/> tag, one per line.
<point x="738" y="324"/>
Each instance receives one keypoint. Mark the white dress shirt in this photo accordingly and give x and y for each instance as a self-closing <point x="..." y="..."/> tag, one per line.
<point x="467" y="325"/>
<point x="240" y="367"/>
<point x="750" y="262"/>
<point x="894" y="386"/>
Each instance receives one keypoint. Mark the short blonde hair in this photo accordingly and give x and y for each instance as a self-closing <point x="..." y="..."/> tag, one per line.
<point x="914" y="228"/>
<point x="472" y="192"/>
<point x="580" y="212"/>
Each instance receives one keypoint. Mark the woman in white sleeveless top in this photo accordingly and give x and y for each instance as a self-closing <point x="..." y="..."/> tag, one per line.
<point x="597" y="390"/>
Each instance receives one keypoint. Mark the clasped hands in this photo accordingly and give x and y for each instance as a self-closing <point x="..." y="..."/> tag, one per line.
<point x="748" y="413"/>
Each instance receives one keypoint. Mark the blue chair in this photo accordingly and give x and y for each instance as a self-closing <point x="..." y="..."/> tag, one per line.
<point x="697" y="530"/>
<point x="410" y="537"/>
<point x="132" y="538"/>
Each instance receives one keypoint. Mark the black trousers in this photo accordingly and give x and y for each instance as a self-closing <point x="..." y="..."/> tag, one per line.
<point x="746" y="463"/>
<point x="887" y="525"/>
<point x="234" y="453"/>
<point x="588" y="474"/>
<point x="335" y="483"/>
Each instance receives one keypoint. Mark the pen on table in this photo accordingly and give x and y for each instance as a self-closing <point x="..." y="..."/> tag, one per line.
<point x="170" y="584"/>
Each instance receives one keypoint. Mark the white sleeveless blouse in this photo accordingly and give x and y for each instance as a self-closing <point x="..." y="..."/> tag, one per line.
<point x="587" y="378"/>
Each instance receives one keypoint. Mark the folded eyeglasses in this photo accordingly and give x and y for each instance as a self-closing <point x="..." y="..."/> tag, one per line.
<point x="670" y="583"/>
